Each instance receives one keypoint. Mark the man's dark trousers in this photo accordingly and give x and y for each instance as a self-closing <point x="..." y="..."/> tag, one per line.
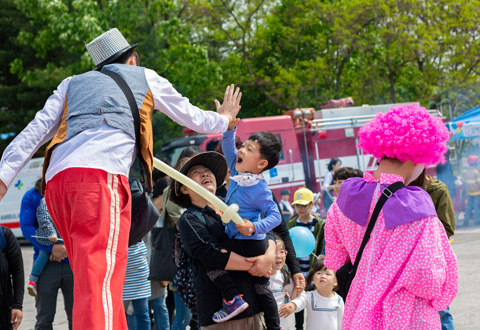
<point x="54" y="276"/>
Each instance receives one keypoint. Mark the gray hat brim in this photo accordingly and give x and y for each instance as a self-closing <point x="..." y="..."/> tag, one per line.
<point x="114" y="57"/>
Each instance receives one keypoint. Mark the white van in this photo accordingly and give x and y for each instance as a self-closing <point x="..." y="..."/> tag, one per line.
<point x="10" y="204"/>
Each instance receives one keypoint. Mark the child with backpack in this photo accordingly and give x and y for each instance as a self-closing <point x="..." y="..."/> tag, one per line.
<point x="324" y="306"/>
<point x="46" y="235"/>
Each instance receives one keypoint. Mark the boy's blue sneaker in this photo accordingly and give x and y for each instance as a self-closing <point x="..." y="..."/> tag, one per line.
<point x="230" y="310"/>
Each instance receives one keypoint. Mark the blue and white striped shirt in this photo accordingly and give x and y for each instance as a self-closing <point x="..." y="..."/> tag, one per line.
<point x="137" y="284"/>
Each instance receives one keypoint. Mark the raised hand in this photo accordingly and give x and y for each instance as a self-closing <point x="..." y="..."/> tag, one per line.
<point x="231" y="103"/>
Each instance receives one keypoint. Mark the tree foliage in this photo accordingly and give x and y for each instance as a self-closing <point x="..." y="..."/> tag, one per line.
<point x="284" y="54"/>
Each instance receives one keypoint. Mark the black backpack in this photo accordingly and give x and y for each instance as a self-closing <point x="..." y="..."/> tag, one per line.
<point x="184" y="280"/>
<point x="6" y="290"/>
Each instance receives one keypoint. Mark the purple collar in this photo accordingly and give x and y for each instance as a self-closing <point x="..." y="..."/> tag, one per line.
<point x="406" y="205"/>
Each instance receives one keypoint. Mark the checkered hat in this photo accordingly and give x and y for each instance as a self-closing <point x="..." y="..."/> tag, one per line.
<point x="107" y="47"/>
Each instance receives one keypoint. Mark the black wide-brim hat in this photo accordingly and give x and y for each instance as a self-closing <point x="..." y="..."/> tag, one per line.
<point x="107" y="47"/>
<point x="212" y="160"/>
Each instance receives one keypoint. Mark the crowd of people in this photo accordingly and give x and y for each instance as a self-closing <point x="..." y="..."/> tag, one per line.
<point x="225" y="275"/>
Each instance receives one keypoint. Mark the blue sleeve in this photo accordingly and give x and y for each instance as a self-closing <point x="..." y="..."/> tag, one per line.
<point x="269" y="209"/>
<point x="28" y="218"/>
<point x="229" y="150"/>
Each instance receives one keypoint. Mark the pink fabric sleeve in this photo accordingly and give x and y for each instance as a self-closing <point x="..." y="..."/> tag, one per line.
<point x="432" y="271"/>
<point x="335" y="253"/>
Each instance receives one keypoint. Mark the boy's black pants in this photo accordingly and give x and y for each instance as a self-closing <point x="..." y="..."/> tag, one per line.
<point x="228" y="289"/>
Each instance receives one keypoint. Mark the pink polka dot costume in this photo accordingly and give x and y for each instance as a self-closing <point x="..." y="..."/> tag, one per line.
<point x="408" y="271"/>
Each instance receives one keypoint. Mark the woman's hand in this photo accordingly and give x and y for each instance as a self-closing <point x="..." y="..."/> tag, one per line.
<point x="16" y="319"/>
<point x="287" y="309"/>
<point x="262" y="265"/>
<point x="299" y="281"/>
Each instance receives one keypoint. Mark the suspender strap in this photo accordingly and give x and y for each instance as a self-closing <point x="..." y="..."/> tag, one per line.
<point x="386" y="194"/>
<point x="133" y="107"/>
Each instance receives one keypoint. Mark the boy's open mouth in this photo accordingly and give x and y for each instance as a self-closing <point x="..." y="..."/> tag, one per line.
<point x="239" y="160"/>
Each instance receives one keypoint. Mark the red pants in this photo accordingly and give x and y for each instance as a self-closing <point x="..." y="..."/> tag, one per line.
<point x="91" y="210"/>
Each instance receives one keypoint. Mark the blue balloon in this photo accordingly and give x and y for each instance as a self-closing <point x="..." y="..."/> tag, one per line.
<point x="303" y="241"/>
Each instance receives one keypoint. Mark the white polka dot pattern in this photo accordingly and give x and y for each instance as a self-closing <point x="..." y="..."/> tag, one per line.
<point x="405" y="276"/>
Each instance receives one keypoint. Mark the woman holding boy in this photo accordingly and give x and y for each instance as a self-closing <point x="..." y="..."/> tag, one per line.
<point x="203" y="240"/>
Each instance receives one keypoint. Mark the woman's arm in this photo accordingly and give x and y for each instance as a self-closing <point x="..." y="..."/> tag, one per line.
<point x="263" y="263"/>
<point x="202" y="245"/>
<point x="238" y="262"/>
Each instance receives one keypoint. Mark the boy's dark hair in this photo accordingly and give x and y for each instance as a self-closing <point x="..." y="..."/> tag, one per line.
<point x="333" y="161"/>
<point x="344" y="173"/>
<point x="160" y="186"/>
<point x="270" y="147"/>
<point x="358" y="172"/>
<point x="318" y="266"/>
<point x="157" y="175"/>
<point x="122" y="59"/>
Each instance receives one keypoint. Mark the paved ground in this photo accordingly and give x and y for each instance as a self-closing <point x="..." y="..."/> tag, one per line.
<point x="465" y="308"/>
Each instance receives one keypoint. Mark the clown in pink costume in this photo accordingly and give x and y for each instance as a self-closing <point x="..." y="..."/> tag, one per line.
<point x="408" y="271"/>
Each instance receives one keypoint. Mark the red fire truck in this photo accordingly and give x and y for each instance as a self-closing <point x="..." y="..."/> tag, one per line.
<point x="310" y="139"/>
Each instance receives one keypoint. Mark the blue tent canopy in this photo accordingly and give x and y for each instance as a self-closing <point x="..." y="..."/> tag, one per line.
<point x="465" y="126"/>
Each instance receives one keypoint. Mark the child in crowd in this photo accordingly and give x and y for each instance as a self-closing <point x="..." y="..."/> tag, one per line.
<point x="303" y="203"/>
<point x="324" y="306"/>
<point x="249" y="190"/>
<point x="287" y="209"/>
<point x="281" y="282"/>
<point x="46" y="235"/>
<point x="343" y="174"/>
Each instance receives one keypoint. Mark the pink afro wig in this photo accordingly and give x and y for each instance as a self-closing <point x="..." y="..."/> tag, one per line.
<point x="406" y="132"/>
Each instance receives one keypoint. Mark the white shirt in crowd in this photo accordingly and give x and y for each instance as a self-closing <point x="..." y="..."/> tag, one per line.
<point x="278" y="290"/>
<point x="322" y="313"/>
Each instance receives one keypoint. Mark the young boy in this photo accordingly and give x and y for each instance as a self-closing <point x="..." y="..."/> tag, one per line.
<point x="343" y="174"/>
<point x="248" y="189"/>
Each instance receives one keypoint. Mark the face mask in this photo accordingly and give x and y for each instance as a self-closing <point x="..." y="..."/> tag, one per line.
<point x="416" y="173"/>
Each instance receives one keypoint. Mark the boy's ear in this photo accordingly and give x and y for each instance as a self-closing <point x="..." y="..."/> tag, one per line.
<point x="262" y="164"/>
